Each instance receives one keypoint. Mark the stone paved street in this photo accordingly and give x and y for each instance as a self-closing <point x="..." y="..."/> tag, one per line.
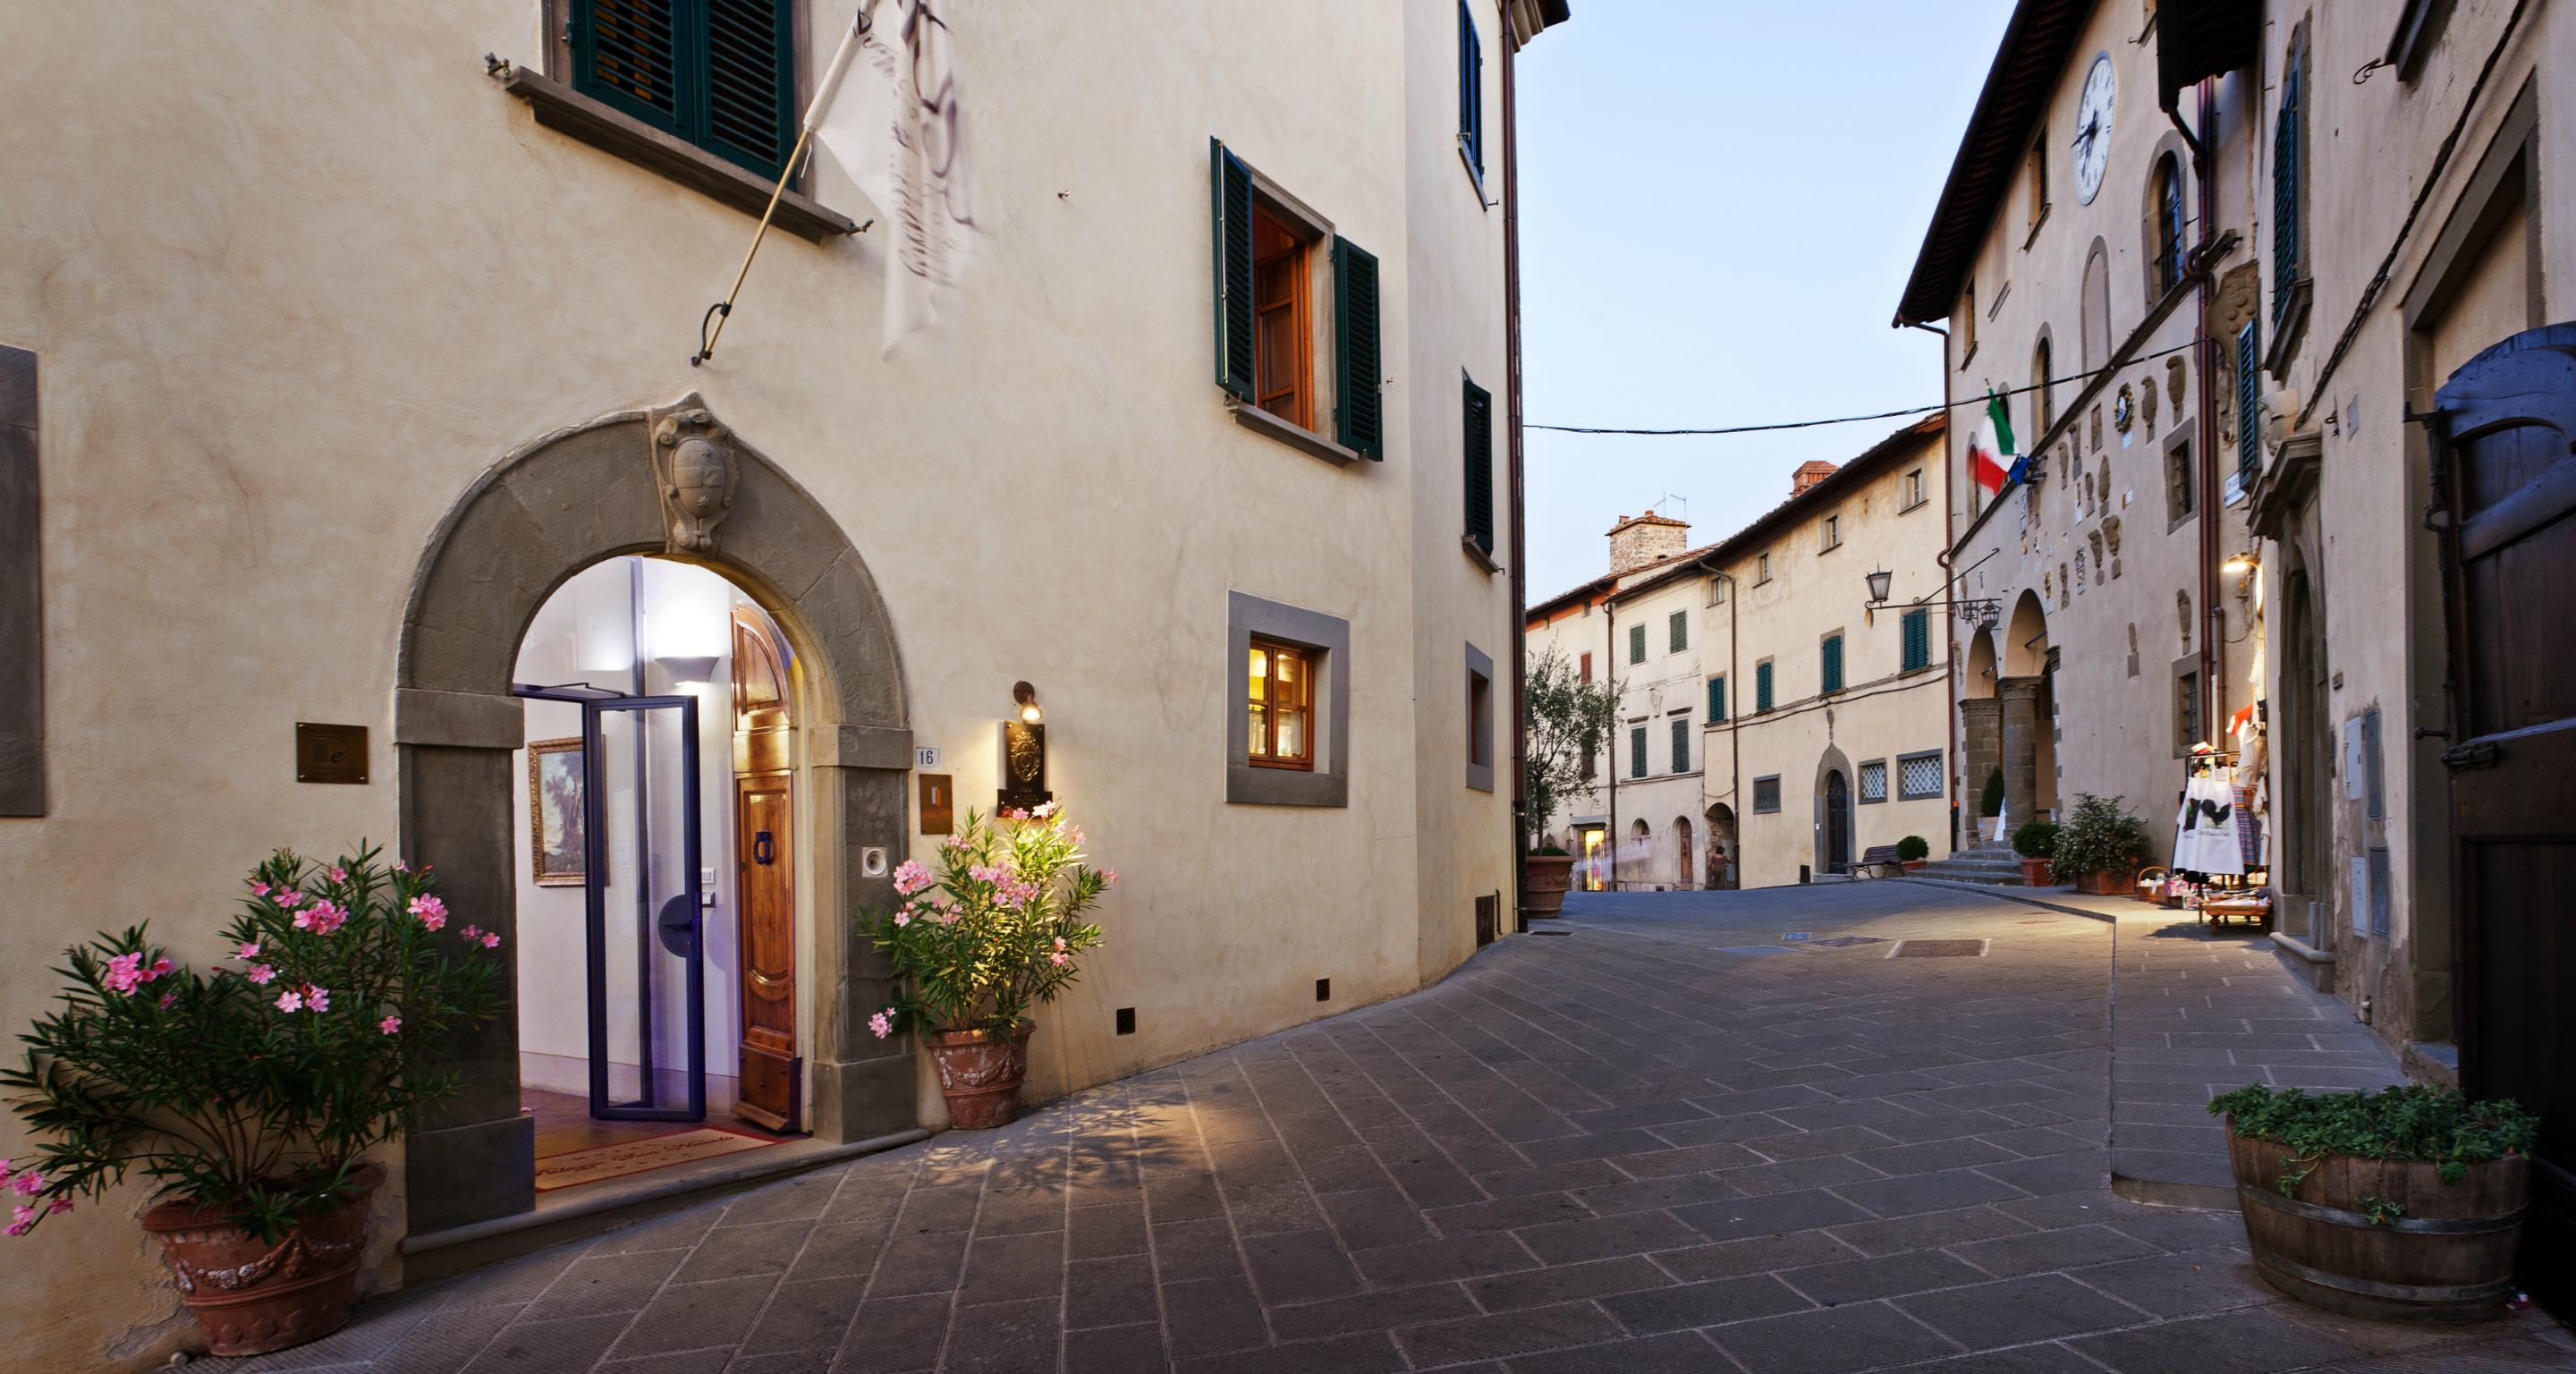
<point x="1665" y="1139"/>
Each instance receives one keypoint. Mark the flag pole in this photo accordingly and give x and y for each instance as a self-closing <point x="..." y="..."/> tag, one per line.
<point x="722" y="310"/>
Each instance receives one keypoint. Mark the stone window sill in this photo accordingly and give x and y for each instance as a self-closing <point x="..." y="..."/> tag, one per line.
<point x="1476" y="554"/>
<point x="1296" y="436"/>
<point x="561" y="108"/>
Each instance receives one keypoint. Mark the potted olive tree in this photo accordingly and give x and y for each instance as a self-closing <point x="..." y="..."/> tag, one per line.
<point x="2403" y="1204"/>
<point x="1568" y="719"/>
<point x="1912" y="851"/>
<point x="2099" y="847"/>
<point x="2036" y="843"/>
<point x="975" y="945"/>
<point x="249" y="1094"/>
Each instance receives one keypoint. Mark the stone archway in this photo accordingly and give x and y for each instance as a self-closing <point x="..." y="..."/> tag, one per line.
<point x="2021" y="726"/>
<point x="1834" y="771"/>
<point x="532" y="520"/>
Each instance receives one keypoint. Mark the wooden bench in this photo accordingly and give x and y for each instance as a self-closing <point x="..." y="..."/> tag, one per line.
<point x="1878" y="861"/>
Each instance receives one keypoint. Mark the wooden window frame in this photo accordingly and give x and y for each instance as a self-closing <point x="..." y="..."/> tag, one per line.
<point x="1264" y="752"/>
<point x="558" y="17"/>
<point x="1299" y="304"/>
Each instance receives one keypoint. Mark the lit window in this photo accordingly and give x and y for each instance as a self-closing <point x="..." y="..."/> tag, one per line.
<point x="1280" y="336"/>
<point x="1282" y="704"/>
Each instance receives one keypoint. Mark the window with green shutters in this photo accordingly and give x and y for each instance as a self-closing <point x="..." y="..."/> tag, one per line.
<point x="1479" y="415"/>
<point x="2249" y="428"/>
<point x="1761" y="687"/>
<point x="1681" y="744"/>
<point x="1637" y="752"/>
<point x="1636" y="644"/>
<point x="1679" y="631"/>
<point x="1717" y="698"/>
<point x="1833" y="663"/>
<point x="1471" y="93"/>
<point x="1235" y="202"/>
<point x="719" y="73"/>
<point x="1917" y="634"/>
<point x="2285" y="188"/>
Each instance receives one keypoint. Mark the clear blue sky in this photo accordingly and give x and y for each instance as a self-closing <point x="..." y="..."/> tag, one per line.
<point x="1719" y="203"/>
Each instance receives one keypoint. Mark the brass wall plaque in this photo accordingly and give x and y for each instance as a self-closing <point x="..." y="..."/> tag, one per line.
<point x="1023" y="767"/>
<point x="330" y="753"/>
<point x="938" y="803"/>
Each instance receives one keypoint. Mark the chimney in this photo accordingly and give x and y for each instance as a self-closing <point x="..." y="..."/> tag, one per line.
<point x="1808" y="475"/>
<point x="1638" y="540"/>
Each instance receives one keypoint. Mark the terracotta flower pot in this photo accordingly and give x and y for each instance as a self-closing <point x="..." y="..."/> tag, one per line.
<point x="1544" y="879"/>
<point x="1913" y="865"/>
<point x="2034" y="872"/>
<point x="250" y="1296"/>
<point x="2447" y="1257"/>
<point x="980" y="1075"/>
<point x="2103" y="882"/>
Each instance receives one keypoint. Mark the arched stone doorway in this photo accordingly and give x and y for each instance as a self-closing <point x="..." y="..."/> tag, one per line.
<point x="1639" y="861"/>
<point x="532" y="520"/>
<point x="1683" y="877"/>
<point x="1833" y="812"/>
<point x="2024" y="745"/>
<point x="1980" y="732"/>
<point x="1722" y="858"/>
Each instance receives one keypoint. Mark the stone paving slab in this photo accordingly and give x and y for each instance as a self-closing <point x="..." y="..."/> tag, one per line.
<point x="1622" y="1149"/>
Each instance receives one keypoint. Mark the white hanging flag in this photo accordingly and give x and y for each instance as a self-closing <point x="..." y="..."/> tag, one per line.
<point x="893" y="126"/>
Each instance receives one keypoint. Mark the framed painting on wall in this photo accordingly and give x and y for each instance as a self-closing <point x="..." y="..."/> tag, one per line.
<point x="555" y="812"/>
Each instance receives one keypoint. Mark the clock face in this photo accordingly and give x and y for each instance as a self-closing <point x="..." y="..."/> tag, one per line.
<point x="2093" y="128"/>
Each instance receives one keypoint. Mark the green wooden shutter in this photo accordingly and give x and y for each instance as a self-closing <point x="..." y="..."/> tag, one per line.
<point x="1637" y="752"/>
<point x="2249" y="428"/>
<point x="2285" y="192"/>
<point x="718" y="73"/>
<point x="749" y="84"/>
<point x="1357" y="403"/>
<point x="1833" y="667"/>
<point x="1636" y="644"/>
<point x="1761" y="687"/>
<point x="1680" y="631"/>
<point x="1717" y="698"/>
<point x="1230" y="222"/>
<point x="1480" y="466"/>
<point x="1918" y="640"/>
<point x="1471" y="89"/>
<point x="626" y="54"/>
<point x="1681" y="744"/>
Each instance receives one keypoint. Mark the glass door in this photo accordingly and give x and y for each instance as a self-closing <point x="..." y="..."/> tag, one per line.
<point x="648" y="1034"/>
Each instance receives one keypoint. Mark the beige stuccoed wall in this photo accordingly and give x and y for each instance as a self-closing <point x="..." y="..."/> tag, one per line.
<point x="1881" y="713"/>
<point x="1668" y="686"/>
<point x="2114" y="729"/>
<point x="2374" y="565"/>
<point x="297" y="277"/>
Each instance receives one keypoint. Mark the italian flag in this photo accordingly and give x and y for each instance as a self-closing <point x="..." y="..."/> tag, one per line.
<point x="1984" y="464"/>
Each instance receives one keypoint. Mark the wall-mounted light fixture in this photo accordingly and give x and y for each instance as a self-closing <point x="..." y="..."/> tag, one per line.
<point x="1976" y="610"/>
<point x="2243" y="567"/>
<point x="1027" y="697"/>
<point x="689" y="670"/>
<point x="1023" y="745"/>
<point x="1880" y="583"/>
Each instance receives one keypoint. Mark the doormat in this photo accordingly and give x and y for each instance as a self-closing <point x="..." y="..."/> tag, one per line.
<point x="1938" y="949"/>
<point x="577" y="1167"/>
<point x="1846" y="942"/>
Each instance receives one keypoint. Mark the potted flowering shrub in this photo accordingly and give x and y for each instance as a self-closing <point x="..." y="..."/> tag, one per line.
<point x="249" y="1094"/>
<point x="993" y="932"/>
<point x="2036" y="843"/>
<point x="2099" y="846"/>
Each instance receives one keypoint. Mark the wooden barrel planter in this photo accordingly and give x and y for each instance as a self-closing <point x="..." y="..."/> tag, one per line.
<point x="2448" y="1257"/>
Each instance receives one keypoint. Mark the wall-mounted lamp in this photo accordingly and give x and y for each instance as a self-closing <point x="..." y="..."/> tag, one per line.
<point x="1027" y="697"/>
<point x="1023" y="745"/>
<point x="689" y="671"/>
<point x="1880" y="584"/>
<point x="2242" y="564"/>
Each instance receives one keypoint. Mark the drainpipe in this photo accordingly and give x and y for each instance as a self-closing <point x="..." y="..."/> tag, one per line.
<point x="1949" y="624"/>
<point x="2213" y="616"/>
<point x="1512" y="407"/>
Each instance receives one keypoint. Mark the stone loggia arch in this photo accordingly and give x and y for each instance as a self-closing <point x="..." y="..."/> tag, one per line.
<point x="673" y="482"/>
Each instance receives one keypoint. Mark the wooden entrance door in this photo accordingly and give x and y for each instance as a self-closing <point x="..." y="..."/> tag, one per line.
<point x="1837" y="822"/>
<point x="2502" y="433"/>
<point x="770" y="1092"/>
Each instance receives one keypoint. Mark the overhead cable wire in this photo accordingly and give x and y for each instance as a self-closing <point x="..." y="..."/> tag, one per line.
<point x="1978" y="400"/>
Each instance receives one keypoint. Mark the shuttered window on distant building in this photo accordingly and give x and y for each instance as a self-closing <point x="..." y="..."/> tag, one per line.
<point x="1636" y="644"/>
<point x="2249" y="425"/>
<point x="1717" y="698"/>
<point x="1678" y="628"/>
<point x="1917" y="633"/>
<point x="2286" y="229"/>
<point x="1637" y="752"/>
<point x="1479" y="418"/>
<point x="1681" y="744"/>
<point x="718" y="73"/>
<point x="1761" y="687"/>
<point x="1833" y="663"/>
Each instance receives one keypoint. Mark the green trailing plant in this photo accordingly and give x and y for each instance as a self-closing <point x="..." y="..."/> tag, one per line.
<point x="1912" y="849"/>
<point x="2437" y="1126"/>
<point x="1569" y="722"/>
<point x="994" y="930"/>
<point x="251" y="1089"/>
<point x="2035" y="839"/>
<point x="1991" y="801"/>
<point x="2101" y="836"/>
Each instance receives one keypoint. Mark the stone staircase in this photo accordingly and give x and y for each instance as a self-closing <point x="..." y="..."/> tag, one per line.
<point x="1992" y="866"/>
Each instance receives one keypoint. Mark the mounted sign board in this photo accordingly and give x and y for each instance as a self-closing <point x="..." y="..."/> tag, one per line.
<point x="925" y="758"/>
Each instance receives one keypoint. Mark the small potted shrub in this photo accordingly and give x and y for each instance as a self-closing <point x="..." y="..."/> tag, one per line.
<point x="2036" y="843"/>
<point x="2404" y="1204"/>
<point x="976" y="944"/>
<point x="1546" y="873"/>
<point x="2100" y="845"/>
<point x="1990" y="806"/>
<point x="250" y="1094"/>
<point x="1912" y="851"/>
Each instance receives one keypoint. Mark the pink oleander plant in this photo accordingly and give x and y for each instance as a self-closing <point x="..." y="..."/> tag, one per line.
<point x="251" y="1089"/>
<point x="995" y="930"/>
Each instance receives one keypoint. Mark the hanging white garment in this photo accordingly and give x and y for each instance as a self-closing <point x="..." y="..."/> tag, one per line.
<point x="2205" y="831"/>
